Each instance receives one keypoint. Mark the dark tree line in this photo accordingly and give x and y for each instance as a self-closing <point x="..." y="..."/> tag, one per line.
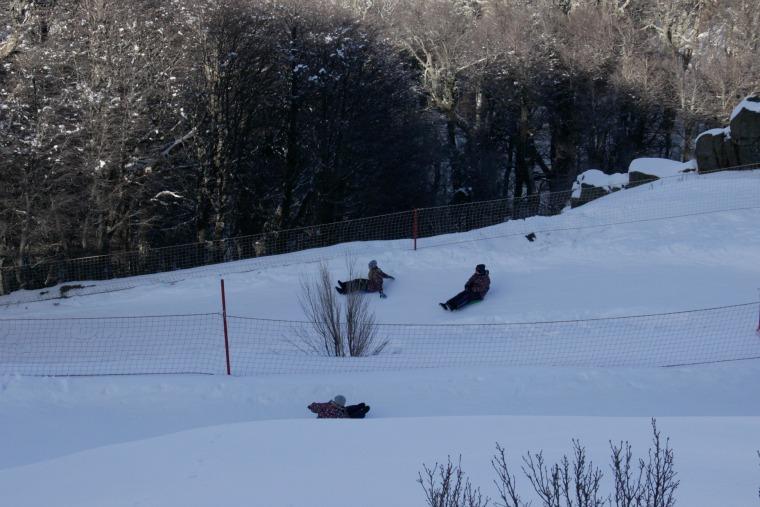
<point x="129" y="125"/>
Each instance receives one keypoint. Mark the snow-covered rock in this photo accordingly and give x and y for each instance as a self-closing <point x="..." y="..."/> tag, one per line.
<point x="592" y="184"/>
<point x="736" y="145"/>
<point x="644" y="170"/>
<point x="750" y="104"/>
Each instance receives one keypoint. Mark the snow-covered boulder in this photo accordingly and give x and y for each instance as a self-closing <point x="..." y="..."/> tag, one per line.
<point x="736" y="145"/>
<point x="593" y="184"/>
<point x="714" y="149"/>
<point x="644" y="170"/>
<point x="745" y="130"/>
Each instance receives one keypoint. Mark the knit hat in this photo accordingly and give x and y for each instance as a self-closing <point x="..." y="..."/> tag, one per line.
<point x="372" y="264"/>
<point x="340" y="400"/>
<point x="481" y="269"/>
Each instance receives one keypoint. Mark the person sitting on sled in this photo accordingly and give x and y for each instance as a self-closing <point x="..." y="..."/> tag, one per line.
<point x="337" y="409"/>
<point x="373" y="282"/>
<point x="474" y="290"/>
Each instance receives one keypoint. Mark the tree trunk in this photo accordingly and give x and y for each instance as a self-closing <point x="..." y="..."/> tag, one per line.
<point x="290" y="177"/>
<point x="508" y="167"/>
<point x="523" y="180"/>
<point x="454" y="162"/>
<point x="22" y="259"/>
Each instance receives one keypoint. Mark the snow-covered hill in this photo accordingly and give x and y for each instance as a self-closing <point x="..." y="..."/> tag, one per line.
<point x="682" y="243"/>
<point x="674" y="247"/>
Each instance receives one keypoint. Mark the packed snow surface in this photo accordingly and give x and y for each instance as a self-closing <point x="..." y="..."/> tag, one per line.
<point x="183" y="440"/>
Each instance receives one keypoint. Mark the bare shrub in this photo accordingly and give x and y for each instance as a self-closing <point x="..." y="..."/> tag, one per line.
<point x="567" y="483"/>
<point x="506" y="483"/>
<point x="650" y="484"/>
<point x="360" y="325"/>
<point x="448" y="486"/>
<point x="335" y="328"/>
<point x="659" y="482"/>
<point x="572" y="482"/>
<point x="628" y="484"/>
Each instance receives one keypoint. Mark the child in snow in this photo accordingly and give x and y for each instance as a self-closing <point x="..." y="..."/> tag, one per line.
<point x="373" y="282"/>
<point x="337" y="409"/>
<point x="475" y="289"/>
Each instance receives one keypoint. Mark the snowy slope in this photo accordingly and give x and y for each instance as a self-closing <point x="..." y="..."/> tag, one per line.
<point x="674" y="248"/>
<point x="682" y="243"/>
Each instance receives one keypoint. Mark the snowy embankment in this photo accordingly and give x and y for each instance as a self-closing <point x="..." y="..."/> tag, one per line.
<point x="676" y="244"/>
<point x="209" y="440"/>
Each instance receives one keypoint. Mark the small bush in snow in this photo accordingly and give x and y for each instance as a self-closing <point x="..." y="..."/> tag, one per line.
<point x="567" y="483"/>
<point x="448" y="486"/>
<point x="337" y="328"/>
<point x="647" y="484"/>
<point x="572" y="482"/>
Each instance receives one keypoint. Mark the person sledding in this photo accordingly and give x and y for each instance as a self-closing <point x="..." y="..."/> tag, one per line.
<point x="337" y="409"/>
<point x="474" y="290"/>
<point x="373" y="282"/>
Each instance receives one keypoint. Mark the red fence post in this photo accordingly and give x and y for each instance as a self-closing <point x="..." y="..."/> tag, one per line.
<point x="414" y="227"/>
<point x="226" y="339"/>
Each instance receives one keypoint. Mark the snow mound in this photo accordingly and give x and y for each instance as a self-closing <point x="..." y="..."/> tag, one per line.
<point x="282" y="463"/>
<point x="660" y="167"/>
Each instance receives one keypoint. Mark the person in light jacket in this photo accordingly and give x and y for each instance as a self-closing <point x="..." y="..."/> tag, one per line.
<point x="373" y="282"/>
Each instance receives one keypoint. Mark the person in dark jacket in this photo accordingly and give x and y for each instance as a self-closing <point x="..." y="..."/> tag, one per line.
<point x="373" y="282"/>
<point x="474" y="290"/>
<point x="337" y="409"/>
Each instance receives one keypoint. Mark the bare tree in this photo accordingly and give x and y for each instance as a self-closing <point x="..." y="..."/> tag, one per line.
<point x="444" y="39"/>
<point x="448" y="486"/>
<point x="335" y="328"/>
<point x="731" y="68"/>
<point x="679" y="24"/>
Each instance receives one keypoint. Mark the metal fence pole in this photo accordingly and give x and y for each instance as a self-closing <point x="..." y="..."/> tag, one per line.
<point x="226" y="338"/>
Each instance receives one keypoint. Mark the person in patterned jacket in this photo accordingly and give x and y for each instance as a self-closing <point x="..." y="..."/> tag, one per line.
<point x="373" y="282"/>
<point x="474" y="290"/>
<point x="333" y="409"/>
<point x="337" y="409"/>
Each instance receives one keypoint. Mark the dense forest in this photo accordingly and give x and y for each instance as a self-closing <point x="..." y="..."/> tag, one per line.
<point x="126" y="125"/>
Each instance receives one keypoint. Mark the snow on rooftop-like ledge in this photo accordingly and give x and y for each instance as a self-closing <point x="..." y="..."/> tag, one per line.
<point x="660" y="167"/>
<point x="750" y="103"/>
